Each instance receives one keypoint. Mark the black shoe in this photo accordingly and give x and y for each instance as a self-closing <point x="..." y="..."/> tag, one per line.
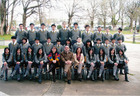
<point x="115" y="78"/>
<point x="6" y="79"/>
<point x="69" y="81"/>
<point x="18" y="79"/>
<point x="54" y="80"/>
<point x="1" y="76"/>
<point x="127" y="80"/>
<point x="80" y="79"/>
<point x="40" y="81"/>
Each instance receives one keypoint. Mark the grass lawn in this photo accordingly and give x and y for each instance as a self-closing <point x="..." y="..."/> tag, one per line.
<point x="2" y="47"/>
<point x="5" y="37"/>
<point x="132" y="42"/>
<point x="124" y="32"/>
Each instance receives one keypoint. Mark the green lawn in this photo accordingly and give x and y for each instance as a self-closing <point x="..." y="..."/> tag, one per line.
<point x="132" y="42"/>
<point x="2" y="47"/>
<point x="124" y="32"/>
<point x="5" y="37"/>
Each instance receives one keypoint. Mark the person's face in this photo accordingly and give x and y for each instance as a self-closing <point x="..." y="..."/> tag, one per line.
<point x="64" y="24"/>
<point x="91" y="51"/>
<point x="107" y="42"/>
<point x="7" y="50"/>
<point x="107" y="30"/>
<point x="53" y="49"/>
<point x="75" y="26"/>
<point x="32" y="26"/>
<point x="43" y="26"/>
<point x="21" y="26"/>
<point x="53" y="27"/>
<point x="68" y="42"/>
<point x="78" y="50"/>
<point x="120" y="41"/>
<point x="49" y="40"/>
<point x="79" y="40"/>
<point x="101" y="51"/>
<point x="36" y="41"/>
<point x="40" y="51"/>
<point x="112" y="51"/>
<point x="23" y="41"/>
<point x="98" y="42"/>
<point x="120" y="52"/>
<point x="58" y="43"/>
<point x="99" y="29"/>
<point x="88" y="43"/>
<point x="87" y="28"/>
<point x="113" y="41"/>
<point x="29" y="50"/>
<point x="119" y="31"/>
<point x="67" y="49"/>
<point x="18" y="51"/>
<point x="13" y="40"/>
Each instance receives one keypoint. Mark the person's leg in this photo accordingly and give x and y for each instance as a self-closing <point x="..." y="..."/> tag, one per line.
<point x="126" y="72"/>
<point x="101" y="70"/>
<point x="79" y="71"/>
<point x="2" y="71"/>
<point x="115" y="72"/>
<point x="40" y="72"/>
<point x="27" y="69"/>
<point x="90" y="70"/>
<point x="53" y="72"/>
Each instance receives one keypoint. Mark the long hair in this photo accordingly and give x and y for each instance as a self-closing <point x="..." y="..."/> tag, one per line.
<point x="122" y="52"/>
<point x="39" y="54"/>
<point x="55" y="48"/>
<point x="28" y="52"/>
<point x="92" y="52"/>
<point x="20" y="53"/>
<point x="77" y="49"/>
<point x="70" y="45"/>
<point x="5" y="52"/>
<point x="103" y="53"/>
<point x="114" y="55"/>
<point x="89" y="45"/>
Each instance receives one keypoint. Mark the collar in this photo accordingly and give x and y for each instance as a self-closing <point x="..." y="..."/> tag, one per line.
<point x="43" y="29"/>
<point x="14" y="43"/>
<point x="32" y="30"/>
<point x="21" y="30"/>
<point x="64" y="28"/>
<point x="87" y="31"/>
<point x="49" y="43"/>
<point x="75" y="29"/>
<point x="79" y="43"/>
<point x="119" y="33"/>
<point x="37" y="43"/>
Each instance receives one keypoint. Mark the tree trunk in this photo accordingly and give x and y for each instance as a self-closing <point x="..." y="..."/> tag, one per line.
<point x="91" y="24"/>
<point x="69" y="21"/>
<point x="104" y="23"/>
<point x="131" y="24"/>
<point x="24" y="19"/>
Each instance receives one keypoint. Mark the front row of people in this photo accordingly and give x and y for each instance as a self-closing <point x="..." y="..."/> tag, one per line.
<point x="22" y="64"/>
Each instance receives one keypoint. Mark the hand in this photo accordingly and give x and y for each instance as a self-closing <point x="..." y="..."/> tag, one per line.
<point x="5" y="63"/>
<point x="102" y="62"/>
<point x="41" y="62"/>
<point x="92" y="64"/>
<point x="18" y="62"/>
<point x="116" y="64"/>
<point x="126" y="61"/>
<point x="69" y="62"/>
<point x="54" y="61"/>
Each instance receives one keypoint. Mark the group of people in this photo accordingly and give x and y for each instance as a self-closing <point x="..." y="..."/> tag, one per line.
<point x="64" y="48"/>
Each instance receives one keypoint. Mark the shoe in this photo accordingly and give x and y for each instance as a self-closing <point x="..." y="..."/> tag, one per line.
<point x="80" y="79"/>
<point x="18" y="79"/>
<point x="39" y="81"/>
<point x="1" y="76"/>
<point x="115" y="78"/>
<point x="6" y="79"/>
<point x="127" y="80"/>
<point x="37" y="75"/>
<point x="69" y="81"/>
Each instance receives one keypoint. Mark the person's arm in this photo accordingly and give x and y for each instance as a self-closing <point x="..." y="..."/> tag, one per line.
<point x="36" y="59"/>
<point x="10" y="58"/>
<point x="16" y="33"/>
<point x="83" y="58"/>
<point x="105" y="58"/>
<point x="98" y="60"/>
<point x="45" y="58"/>
<point x="125" y="48"/>
<point x="95" y="59"/>
<point x="80" y="33"/>
<point x="87" y="59"/>
<point x="62" y="57"/>
<point x="58" y="57"/>
<point x="74" y="56"/>
<point x="110" y="61"/>
<point x="117" y="59"/>
<point x="3" y="58"/>
<point x="122" y="38"/>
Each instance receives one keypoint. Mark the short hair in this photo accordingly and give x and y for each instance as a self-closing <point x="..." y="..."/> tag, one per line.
<point x="63" y="22"/>
<point x="75" y="23"/>
<point x="87" y="26"/>
<point x="98" y="39"/>
<point x="36" y="38"/>
<point x="42" y="24"/>
<point x="119" y="39"/>
<point x="24" y="39"/>
<point x="32" y="24"/>
<point x="53" y="25"/>
<point x="49" y="38"/>
<point x="13" y="37"/>
<point x="120" y="28"/>
<point x="99" y="27"/>
<point x="20" y="24"/>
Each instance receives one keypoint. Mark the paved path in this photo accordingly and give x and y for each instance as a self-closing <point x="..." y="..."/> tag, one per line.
<point x="61" y="88"/>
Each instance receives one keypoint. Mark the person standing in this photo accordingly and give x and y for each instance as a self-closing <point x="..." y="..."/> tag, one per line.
<point x="20" y="34"/>
<point x="118" y="35"/>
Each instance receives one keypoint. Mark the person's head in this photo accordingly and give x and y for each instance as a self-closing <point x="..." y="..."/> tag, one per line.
<point x="53" y="26"/>
<point x="79" y="40"/>
<point x="75" y="25"/>
<point x="87" y="27"/>
<point x="121" y="52"/>
<point x="98" y="40"/>
<point x="32" y="25"/>
<point x="88" y="43"/>
<point x="20" y="26"/>
<point x="18" y="50"/>
<point x="64" y="24"/>
<point x="6" y="50"/>
<point x="119" y="40"/>
<point x="58" y="42"/>
<point x="78" y="50"/>
<point x="101" y="51"/>
<point x="24" y="40"/>
<point x="40" y="51"/>
<point x="91" y="51"/>
<point x="67" y="49"/>
<point x="106" y="41"/>
<point x="42" y="25"/>
<point x="29" y="49"/>
<point x="113" y="40"/>
<point x="99" y="28"/>
<point x="107" y="30"/>
<point x="49" y="40"/>
<point x="112" y="51"/>
<point x="120" y="30"/>
<point x="13" y="38"/>
<point x="37" y="40"/>
<point x="54" y="49"/>
<point x="68" y="41"/>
